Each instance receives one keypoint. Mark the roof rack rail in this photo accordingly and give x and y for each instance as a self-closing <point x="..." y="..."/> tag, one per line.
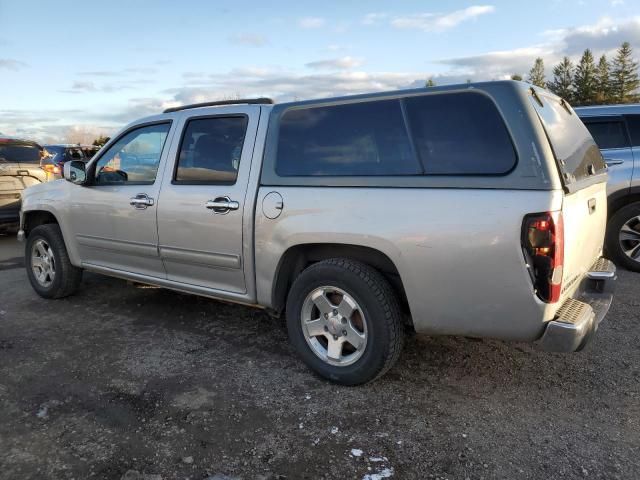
<point x="248" y="101"/>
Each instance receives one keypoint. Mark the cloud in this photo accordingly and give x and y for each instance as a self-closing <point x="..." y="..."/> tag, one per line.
<point x="498" y="64"/>
<point x="11" y="64"/>
<point x="91" y="87"/>
<point x="136" y="108"/>
<point x="374" y="18"/>
<point x="343" y="63"/>
<point x="311" y="22"/>
<point x="602" y="37"/>
<point x="285" y="85"/>
<point x="121" y="72"/>
<point x="46" y="126"/>
<point x="438" y="22"/>
<point x="248" y="39"/>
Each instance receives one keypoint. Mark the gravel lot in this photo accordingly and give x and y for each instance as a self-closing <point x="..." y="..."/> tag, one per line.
<point x="126" y="381"/>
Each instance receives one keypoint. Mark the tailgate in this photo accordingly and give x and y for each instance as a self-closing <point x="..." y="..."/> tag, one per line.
<point x="583" y="172"/>
<point x="11" y="185"/>
<point x="585" y="219"/>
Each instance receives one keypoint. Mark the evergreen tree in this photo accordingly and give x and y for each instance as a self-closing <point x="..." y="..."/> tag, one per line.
<point x="603" y="84"/>
<point x="430" y="83"/>
<point x="624" y="76"/>
<point x="536" y="74"/>
<point x="100" y="141"/>
<point x="517" y="77"/>
<point x="562" y="84"/>
<point x="584" y="80"/>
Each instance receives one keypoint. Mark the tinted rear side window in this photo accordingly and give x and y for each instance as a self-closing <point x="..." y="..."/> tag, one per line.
<point x="19" y="153"/>
<point x="361" y="139"/>
<point x="608" y="134"/>
<point x="633" y="122"/>
<point x="460" y="134"/>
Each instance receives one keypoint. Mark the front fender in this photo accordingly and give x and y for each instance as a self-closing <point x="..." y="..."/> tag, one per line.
<point x="54" y="199"/>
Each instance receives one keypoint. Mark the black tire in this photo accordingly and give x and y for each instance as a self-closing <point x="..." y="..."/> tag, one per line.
<point x="379" y="304"/>
<point x="67" y="278"/>
<point x="612" y="239"/>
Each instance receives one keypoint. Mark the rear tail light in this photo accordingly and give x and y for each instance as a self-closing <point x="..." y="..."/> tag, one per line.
<point x="543" y="245"/>
<point x="52" y="168"/>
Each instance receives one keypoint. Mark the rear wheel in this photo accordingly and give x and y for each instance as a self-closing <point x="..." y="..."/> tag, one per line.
<point x="623" y="237"/>
<point x="48" y="266"/>
<point x="344" y="320"/>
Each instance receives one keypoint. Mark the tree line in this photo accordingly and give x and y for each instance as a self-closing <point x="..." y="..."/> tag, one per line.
<point x="591" y="83"/>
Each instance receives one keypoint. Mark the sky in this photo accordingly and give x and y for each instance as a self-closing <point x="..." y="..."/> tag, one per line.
<point x="89" y="68"/>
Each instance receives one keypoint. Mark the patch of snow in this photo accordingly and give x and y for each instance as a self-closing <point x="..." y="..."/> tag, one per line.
<point x="307" y="397"/>
<point x="356" y="452"/>
<point x="43" y="412"/>
<point x="386" y="473"/>
<point x="377" y="459"/>
<point x="301" y="426"/>
<point x="334" y="430"/>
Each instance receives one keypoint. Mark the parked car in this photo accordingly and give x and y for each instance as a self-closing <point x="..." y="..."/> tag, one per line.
<point x="19" y="169"/>
<point x="57" y="155"/>
<point x="89" y="151"/>
<point x="616" y="130"/>
<point x="443" y="207"/>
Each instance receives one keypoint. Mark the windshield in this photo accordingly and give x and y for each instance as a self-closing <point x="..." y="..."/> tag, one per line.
<point x="19" y="153"/>
<point x="576" y="153"/>
<point x="54" y="153"/>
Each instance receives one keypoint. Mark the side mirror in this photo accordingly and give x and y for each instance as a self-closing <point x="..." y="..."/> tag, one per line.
<point x="74" y="172"/>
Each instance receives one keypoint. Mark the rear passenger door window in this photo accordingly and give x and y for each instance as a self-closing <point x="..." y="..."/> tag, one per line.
<point x="608" y="133"/>
<point x="210" y="151"/>
<point x="355" y="139"/>
<point x="460" y="134"/>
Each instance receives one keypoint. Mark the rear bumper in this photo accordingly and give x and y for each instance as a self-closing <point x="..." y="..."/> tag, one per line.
<point x="578" y="318"/>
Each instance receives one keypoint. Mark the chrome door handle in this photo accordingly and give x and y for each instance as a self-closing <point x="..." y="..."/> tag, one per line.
<point x="613" y="161"/>
<point x="222" y="205"/>
<point x="141" y="201"/>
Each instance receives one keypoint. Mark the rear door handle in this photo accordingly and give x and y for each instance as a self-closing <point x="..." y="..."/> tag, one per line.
<point x="141" y="201"/>
<point x="592" y="205"/>
<point x="222" y="205"/>
<point x="613" y="161"/>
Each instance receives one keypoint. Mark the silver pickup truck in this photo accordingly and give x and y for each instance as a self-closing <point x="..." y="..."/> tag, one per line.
<point x="475" y="210"/>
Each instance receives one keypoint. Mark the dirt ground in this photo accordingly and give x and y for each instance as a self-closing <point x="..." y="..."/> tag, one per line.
<point x="124" y="381"/>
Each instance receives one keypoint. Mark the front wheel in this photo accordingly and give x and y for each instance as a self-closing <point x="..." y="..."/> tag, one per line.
<point x="48" y="266"/>
<point x="344" y="320"/>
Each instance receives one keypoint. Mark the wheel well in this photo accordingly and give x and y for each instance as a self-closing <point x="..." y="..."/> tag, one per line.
<point x="297" y="258"/>
<point x="623" y="201"/>
<point x="36" y="218"/>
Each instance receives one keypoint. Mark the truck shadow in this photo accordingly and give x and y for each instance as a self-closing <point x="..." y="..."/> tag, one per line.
<point x="470" y="365"/>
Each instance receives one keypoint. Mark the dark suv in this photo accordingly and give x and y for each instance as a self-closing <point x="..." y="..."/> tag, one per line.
<point x="616" y="130"/>
<point x="57" y="155"/>
<point x="19" y="169"/>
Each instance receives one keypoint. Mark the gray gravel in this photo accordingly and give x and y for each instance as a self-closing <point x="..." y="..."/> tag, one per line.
<point x="125" y="381"/>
